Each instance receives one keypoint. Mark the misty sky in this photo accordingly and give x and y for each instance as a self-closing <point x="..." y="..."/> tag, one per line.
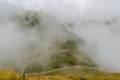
<point x="86" y="9"/>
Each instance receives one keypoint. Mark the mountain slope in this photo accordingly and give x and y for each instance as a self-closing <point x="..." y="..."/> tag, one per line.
<point x="37" y="42"/>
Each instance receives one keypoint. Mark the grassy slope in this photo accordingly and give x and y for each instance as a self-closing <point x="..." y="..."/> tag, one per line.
<point x="78" y="77"/>
<point x="72" y="70"/>
<point x="84" y="74"/>
<point x="65" y="58"/>
<point x="9" y="75"/>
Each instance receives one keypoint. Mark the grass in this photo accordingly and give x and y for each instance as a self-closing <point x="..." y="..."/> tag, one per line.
<point x="72" y="70"/>
<point x="10" y="75"/>
<point x="78" y="77"/>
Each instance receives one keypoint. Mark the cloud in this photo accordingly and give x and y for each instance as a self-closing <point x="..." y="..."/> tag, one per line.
<point x="74" y="9"/>
<point x="96" y="22"/>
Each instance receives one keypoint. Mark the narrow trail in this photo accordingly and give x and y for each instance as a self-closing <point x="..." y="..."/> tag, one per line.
<point x="61" y="69"/>
<point x="28" y="63"/>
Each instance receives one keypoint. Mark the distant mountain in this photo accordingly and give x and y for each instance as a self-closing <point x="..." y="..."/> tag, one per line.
<point x="43" y="36"/>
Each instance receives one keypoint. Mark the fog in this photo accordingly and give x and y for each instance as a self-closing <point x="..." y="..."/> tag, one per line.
<point x="25" y="35"/>
<point x="74" y="9"/>
<point x="96" y="22"/>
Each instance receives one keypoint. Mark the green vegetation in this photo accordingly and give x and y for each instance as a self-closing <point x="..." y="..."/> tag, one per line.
<point x="78" y="77"/>
<point x="73" y="70"/>
<point x="30" y="20"/>
<point x="65" y="58"/>
<point x="9" y="75"/>
<point x="87" y="63"/>
<point x="68" y="58"/>
<point x="35" y="67"/>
